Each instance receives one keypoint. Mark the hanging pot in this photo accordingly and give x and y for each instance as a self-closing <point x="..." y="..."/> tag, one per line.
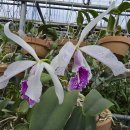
<point x="117" y="44"/>
<point x="105" y="120"/>
<point x="41" y="46"/>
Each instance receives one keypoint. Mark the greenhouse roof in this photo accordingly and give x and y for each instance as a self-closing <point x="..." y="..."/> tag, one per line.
<point x="57" y="11"/>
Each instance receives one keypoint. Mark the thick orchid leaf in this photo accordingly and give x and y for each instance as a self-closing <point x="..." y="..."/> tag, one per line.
<point x="94" y="103"/>
<point x="80" y="18"/>
<point x="93" y="12"/>
<point x="93" y="23"/>
<point x="111" y="23"/>
<point x="29" y="26"/>
<point x="79" y="121"/>
<point x="123" y="7"/>
<point x="3" y="104"/>
<point x="76" y="120"/>
<point x="105" y="56"/>
<point x="60" y="62"/>
<point x="19" y="41"/>
<point x="45" y="78"/>
<point x="79" y="60"/>
<point x="102" y="33"/>
<point x="34" y="89"/>
<point x="21" y="126"/>
<point x="14" y="69"/>
<point x="58" y="87"/>
<point x="86" y="14"/>
<point x="49" y="115"/>
<point x="23" y="107"/>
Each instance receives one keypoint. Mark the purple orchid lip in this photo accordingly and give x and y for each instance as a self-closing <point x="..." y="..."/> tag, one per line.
<point x="24" y="87"/>
<point x="80" y="80"/>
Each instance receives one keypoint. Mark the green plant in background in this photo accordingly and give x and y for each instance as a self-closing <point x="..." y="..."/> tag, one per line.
<point x="9" y="51"/>
<point x="84" y="17"/>
<point x="82" y="117"/>
<point x="42" y="31"/>
<point x="113" y="27"/>
<point x="116" y="89"/>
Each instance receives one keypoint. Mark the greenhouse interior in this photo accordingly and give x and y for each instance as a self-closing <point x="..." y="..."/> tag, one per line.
<point x="64" y="66"/>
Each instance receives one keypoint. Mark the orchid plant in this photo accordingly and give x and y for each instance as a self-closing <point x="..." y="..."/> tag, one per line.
<point x="48" y="114"/>
<point x="31" y="88"/>
<point x="81" y="68"/>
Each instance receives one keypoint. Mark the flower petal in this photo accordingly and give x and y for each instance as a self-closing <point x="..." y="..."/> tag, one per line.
<point x="4" y="84"/>
<point x="19" y="41"/>
<point x="80" y="80"/>
<point x="24" y="88"/>
<point x="94" y="22"/>
<point x="79" y="61"/>
<point x="58" y="87"/>
<point x="105" y="56"/>
<point x="60" y="62"/>
<point x="73" y="83"/>
<point x="14" y="69"/>
<point x="34" y="89"/>
<point x="83" y="74"/>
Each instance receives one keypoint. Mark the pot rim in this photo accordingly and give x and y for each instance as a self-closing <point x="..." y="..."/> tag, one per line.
<point x="37" y="41"/>
<point x="108" y="39"/>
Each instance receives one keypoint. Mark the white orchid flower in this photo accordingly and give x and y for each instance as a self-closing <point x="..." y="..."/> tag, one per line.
<point x="32" y="87"/>
<point x="81" y="67"/>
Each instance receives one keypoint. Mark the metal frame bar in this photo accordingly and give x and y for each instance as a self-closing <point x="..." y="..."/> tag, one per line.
<point x="54" y="7"/>
<point x="40" y="12"/>
<point x="22" y="19"/>
<point x="69" y="4"/>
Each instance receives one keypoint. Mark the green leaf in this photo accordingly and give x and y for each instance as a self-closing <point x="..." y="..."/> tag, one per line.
<point x="118" y="30"/>
<point x="128" y="26"/>
<point x="114" y="11"/>
<point x="45" y="78"/>
<point x="1" y="27"/>
<point x="18" y="57"/>
<point x="124" y="95"/>
<point x="21" y="127"/>
<point x="86" y="14"/>
<point x="94" y="103"/>
<point x="49" y="115"/>
<point x="71" y="30"/>
<point x="3" y="104"/>
<point x="90" y="122"/>
<point x="111" y="23"/>
<point x="102" y="33"/>
<point x="94" y="13"/>
<point x="78" y="121"/>
<point x="51" y="32"/>
<point x="123" y="7"/>
<point x="80" y="18"/>
<point x="54" y="45"/>
<point x="23" y="107"/>
<point x="105" y="19"/>
<point x="29" y="26"/>
<point x="45" y="27"/>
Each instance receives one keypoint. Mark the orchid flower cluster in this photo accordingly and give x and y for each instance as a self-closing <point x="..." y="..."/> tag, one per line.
<point x="31" y="88"/>
<point x="80" y="67"/>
